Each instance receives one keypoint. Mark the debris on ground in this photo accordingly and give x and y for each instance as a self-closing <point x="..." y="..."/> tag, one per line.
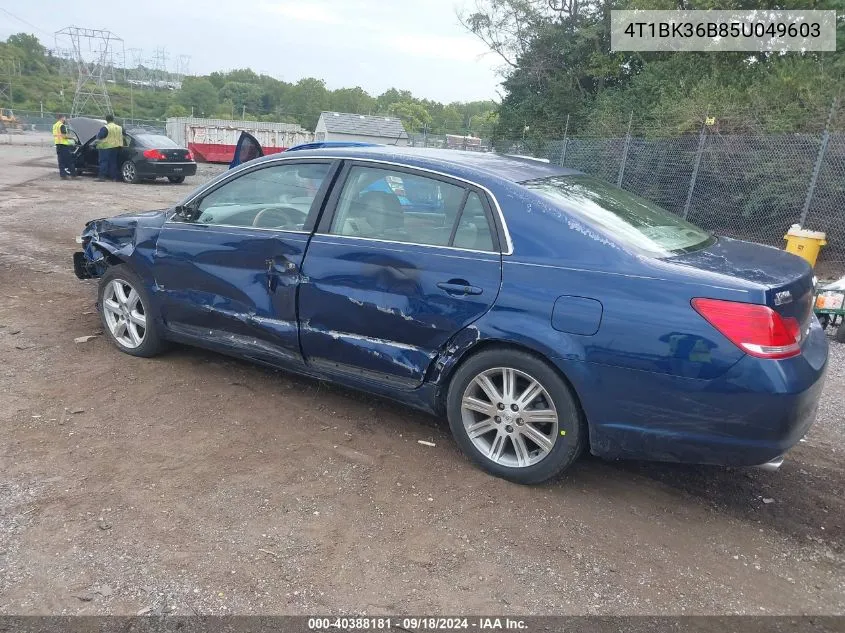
<point x="84" y="339"/>
<point x="425" y="443"/>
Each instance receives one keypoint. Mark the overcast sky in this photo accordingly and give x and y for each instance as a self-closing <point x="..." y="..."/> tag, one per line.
<point x="417" y="45"/>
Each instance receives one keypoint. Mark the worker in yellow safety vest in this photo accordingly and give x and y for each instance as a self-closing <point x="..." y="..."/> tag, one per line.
<point x="64" y="143"/>
<point x="109" y="142"/>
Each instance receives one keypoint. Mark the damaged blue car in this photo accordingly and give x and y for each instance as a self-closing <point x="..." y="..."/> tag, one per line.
<point x="542" y="311"/>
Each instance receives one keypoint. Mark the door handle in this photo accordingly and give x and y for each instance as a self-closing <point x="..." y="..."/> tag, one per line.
<point x="276" y="268"/>
<point x="459" y="287"/>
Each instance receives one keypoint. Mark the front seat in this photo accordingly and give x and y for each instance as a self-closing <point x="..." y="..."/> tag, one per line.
<point x="383" y="212"/>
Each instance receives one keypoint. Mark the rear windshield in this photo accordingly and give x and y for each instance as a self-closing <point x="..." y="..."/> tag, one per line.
<point x="155" y="140"/>
<point x="630" y="220"/>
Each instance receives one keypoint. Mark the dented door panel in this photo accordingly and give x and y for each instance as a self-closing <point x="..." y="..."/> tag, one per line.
<point x="237" y="285"/>
<point x="384" y="311"/>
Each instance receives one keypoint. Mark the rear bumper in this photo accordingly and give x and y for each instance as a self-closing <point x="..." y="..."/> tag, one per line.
<point x="161" y="169"/>
<point x="752" y="414"/>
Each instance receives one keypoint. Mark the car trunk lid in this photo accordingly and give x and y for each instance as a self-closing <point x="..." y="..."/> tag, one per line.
<point x="175" y="155"/>
<point x="788" y="280"/>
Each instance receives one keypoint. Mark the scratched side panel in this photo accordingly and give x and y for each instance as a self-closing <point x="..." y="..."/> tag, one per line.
<point x="376" y="307"/>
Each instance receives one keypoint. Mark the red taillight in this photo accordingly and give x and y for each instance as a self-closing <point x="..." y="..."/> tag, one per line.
<point x="189" y="155"/>
<point x="755" y="329"/>
<point x="153" y="154"/>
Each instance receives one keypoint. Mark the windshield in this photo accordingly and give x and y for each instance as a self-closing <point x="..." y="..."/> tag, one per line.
<point x="630" y="220"/>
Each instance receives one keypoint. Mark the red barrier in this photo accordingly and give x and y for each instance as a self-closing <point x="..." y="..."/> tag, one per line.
<point x="209" y="153"/>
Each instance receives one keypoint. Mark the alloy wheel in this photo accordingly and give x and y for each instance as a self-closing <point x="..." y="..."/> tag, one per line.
<point x="510" y="417"/>
<point x="128" y="171"/>
<point x="124" y="313"/>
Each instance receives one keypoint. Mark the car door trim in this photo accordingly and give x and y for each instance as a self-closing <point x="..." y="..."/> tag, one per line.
<point x="493" y="254"/>
<point x="275" y="158"/>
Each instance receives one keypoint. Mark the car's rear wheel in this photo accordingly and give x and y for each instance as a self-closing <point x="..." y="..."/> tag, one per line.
<point x="176" y="180"/>
<point x="840" y="332"/>
<point x="515" y="416"/>
<point x="125" y="311"/>
<point x="129" y="172"/>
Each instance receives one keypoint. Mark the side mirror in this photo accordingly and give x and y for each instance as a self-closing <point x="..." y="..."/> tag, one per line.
<point x="187" y="212"/>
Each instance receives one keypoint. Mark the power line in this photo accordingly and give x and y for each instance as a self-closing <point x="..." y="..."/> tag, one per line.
<point x="20" y="19"/>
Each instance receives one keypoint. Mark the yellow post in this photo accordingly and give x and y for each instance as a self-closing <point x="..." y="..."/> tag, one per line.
<point x="804" y="243"/>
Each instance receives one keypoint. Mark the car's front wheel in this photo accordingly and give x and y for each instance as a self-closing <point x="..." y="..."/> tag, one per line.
<point x="129" y="172"/>
<point x="176" y="180"/>
<point x="124" y="306"/>
<point x="515" y="416"/>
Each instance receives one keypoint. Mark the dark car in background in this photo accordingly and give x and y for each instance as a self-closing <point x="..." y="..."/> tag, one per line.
<point x="144" y="156"/>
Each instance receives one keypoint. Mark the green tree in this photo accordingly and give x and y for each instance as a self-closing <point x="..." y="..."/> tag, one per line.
<point x="308" y="98"/>
<point x="243" y="95"/>
<point x="176" y="110"/>
<point x="354" y="100"/>
<point x="30" y="52"/>
<point x="388" y="98"/>
<point x="199" y="94"/>
<point x="414" y="117"/>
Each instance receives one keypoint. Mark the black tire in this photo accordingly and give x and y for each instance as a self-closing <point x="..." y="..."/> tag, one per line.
<point x="128" y="172"/>
<point x="840" y="333"/>
<point x="176" y="180"/>
<point x="569" y="440"/>
<point x="152" y="342"/>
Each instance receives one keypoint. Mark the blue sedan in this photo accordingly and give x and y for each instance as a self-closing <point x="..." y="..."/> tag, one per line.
<point x="542" y="311"/>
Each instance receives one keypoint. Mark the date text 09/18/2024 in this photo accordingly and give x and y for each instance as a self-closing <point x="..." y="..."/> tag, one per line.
<point x="415" y="623"/>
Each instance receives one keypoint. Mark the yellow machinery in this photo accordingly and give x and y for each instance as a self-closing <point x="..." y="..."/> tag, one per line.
<point x="8" y="118"/>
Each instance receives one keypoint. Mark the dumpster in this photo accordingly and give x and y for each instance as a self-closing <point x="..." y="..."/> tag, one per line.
<point x="804" y="243"/>
<point x="214" y="140"/>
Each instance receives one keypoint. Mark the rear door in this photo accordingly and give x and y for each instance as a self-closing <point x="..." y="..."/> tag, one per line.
<point x="247" y="149"/>
<point x="391" y="278"/>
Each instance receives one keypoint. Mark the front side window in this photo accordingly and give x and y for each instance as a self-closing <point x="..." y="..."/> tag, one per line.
<point x="631" y="220"/>
<point x="397" y="206"/>
<point x="276" y="197"/>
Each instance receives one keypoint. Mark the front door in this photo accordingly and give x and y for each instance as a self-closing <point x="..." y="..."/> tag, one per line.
<point x="405" y="261"/>
<point x="247" y="149"/>
<point x="228" y="266"/>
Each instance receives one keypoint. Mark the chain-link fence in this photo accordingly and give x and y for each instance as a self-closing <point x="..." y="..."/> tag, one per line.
<point x="725" y="173"/>
<point x="42" y="121"/>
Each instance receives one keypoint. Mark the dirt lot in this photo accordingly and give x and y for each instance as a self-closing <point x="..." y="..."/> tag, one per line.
<point x="197" y="483"/>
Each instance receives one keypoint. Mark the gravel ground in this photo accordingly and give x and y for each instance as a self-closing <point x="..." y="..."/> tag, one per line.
<point x="195" y="483"/>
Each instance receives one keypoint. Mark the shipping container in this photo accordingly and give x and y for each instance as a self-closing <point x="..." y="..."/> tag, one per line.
<point x="214" y="140"/>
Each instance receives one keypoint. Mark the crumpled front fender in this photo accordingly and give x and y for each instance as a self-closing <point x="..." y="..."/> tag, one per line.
<point x="110" y="241"/>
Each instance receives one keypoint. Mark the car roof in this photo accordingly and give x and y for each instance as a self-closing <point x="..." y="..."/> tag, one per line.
<point x="460" y="163"/>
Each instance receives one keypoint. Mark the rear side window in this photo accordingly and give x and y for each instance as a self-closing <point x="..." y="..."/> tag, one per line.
<point x="631" y="220"/>
<point x="156" y="141"/>
<point x="473" y="230"/>
<point x="396" y="206"/>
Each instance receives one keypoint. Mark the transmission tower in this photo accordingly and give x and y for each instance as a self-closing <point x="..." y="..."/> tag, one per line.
<point x="183" y="67"/>
<point x="9" y="68"/>
<point x="159" y="67"/>
<point x="92" y="51"/>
